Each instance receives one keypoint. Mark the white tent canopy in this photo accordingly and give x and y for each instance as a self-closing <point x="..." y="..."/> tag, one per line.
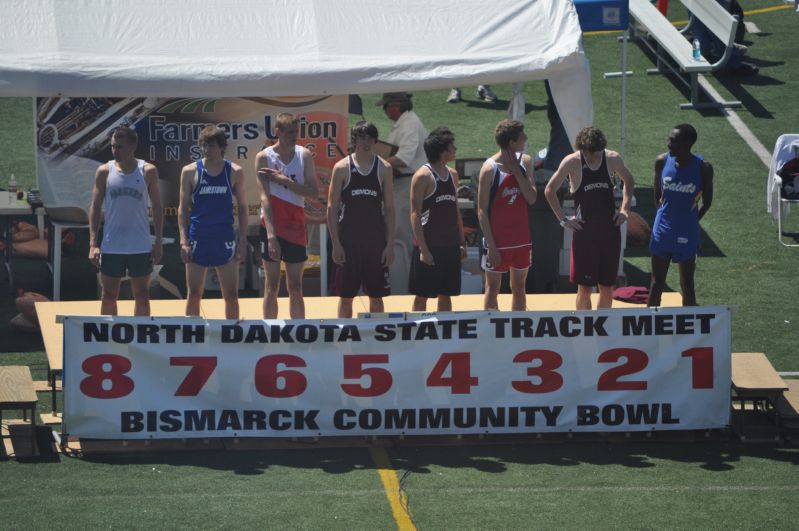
<point x="215" y="48"/>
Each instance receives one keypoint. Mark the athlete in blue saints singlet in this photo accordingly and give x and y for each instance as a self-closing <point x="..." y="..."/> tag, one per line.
<point x="675" y="233"/>
<point x="683" y="192"/>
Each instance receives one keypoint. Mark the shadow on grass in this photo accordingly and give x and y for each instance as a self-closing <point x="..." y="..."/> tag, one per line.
<point x="790" y="236"/>
<point x="712" y="456"/>
<point x="637" y="276"/>
<point x="502" y="104"/>
<point x="645" y="206"/>
<point x="734" y="84"/>
<point x="247" y="463"/>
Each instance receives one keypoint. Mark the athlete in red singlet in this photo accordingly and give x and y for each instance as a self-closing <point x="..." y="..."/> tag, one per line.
<point x="595" y="224"/>
<point x="503" y="193"/>
<point x="360" y="220"/>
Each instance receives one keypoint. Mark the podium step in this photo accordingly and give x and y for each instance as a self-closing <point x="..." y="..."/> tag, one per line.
<point x="754" y="375"/>
<point x="788" y="403"/>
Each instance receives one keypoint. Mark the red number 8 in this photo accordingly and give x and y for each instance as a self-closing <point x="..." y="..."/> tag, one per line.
<point x="94" y="366"/>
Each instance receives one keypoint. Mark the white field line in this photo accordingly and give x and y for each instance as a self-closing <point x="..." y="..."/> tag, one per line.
<point x="66" y="496"/>
<point x="740" y="127"/>
<point x="751" y="27"/>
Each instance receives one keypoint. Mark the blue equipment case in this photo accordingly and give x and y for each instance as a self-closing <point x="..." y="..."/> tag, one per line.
<point x="603" y="15"/>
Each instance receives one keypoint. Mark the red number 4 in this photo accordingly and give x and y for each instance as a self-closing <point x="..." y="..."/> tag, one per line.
<point x="460" y="380"/>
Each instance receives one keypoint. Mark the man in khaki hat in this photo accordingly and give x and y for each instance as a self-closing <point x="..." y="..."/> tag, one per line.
<point x="408" y="134"/>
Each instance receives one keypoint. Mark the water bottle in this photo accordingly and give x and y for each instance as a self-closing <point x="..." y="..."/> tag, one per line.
<point x="12" y="186"/>
<point x="697" y="51"/>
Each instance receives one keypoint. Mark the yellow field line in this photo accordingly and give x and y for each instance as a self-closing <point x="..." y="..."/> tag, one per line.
<point x="684" y="22"/>
<point x="395" y="497"/>
<point x="767" y="9"/>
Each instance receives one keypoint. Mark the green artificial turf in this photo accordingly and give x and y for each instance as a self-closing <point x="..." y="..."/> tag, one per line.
<point x="601" y="486"/>
<point x="594" y="485"/>
<point x="17" y="138"/>
<point x="199" y="490"/>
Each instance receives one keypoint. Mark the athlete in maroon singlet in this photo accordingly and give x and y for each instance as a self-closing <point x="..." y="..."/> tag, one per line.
<point x="360" y="219"/>
<point x="596" y="240"/>
<point x="437" y="226"/>
<point x="503" y="193"/>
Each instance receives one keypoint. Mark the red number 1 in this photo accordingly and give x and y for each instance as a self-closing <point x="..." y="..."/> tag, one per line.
<point x="701" y="367"/>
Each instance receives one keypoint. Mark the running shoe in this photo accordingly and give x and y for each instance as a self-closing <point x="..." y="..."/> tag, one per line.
<point x="454" y="96"/>
<point x="485" y="93"/>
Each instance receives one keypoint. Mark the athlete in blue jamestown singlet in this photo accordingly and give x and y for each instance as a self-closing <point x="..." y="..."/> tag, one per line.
<point x="205" y="219"/>
<point x="683" y="192"/>
<point x="211" y="231"/>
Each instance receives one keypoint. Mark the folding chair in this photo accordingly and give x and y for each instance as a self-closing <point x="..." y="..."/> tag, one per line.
<point x="779" y="206"/>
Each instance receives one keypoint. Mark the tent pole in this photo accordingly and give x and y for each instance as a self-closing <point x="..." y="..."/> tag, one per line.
<point x="323" y="259"/>
<point x="624" y="74"/>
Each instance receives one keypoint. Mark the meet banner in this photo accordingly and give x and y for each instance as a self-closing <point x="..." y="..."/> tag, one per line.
<point x="463" y="373"/>
<point x="72" y="139"/>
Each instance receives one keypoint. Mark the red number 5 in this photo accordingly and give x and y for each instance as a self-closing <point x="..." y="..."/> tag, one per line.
<point x="380" y="378"/>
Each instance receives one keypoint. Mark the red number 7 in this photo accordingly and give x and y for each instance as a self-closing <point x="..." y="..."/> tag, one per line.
<point x="201" y="369"/>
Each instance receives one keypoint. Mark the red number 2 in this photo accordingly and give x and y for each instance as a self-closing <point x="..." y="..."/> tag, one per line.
<point x="637" y="361"/>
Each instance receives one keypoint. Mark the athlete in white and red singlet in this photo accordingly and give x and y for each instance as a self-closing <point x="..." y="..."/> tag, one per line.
<point x="287" y="176"/>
